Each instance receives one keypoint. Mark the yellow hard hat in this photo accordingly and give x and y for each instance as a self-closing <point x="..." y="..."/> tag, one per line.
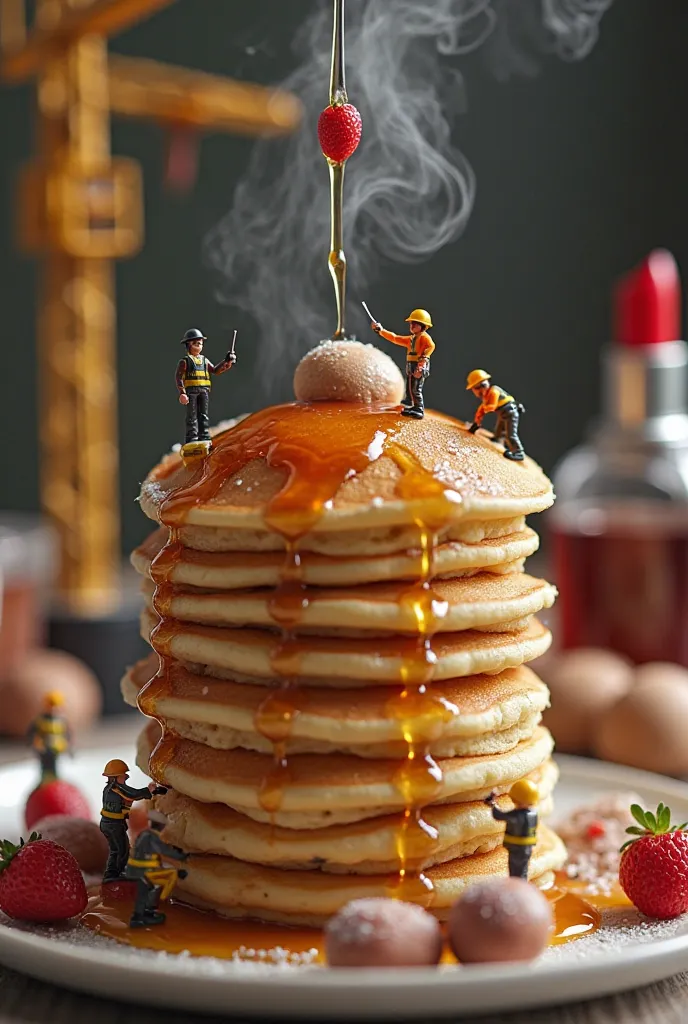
<point x="476" y="377"/>
<point x="421" y="316"/>
<point x="115" y="767"/>
<point x="524" y="793"/>
<point x="53" y="699"/>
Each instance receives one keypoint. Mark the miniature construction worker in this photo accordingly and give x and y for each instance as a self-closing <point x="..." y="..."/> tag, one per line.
<point x="419" y="347"/>
<point x="50" y="736"/>
<point x="494" y="399"/>
<point x="153" y="881"/>
<point x="193" y="383"/>
<point x="520" y="835"/>
<point x="114" y="817"/>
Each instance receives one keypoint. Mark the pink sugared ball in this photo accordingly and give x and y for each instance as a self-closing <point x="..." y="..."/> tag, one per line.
<point x="500" y="919"/>
<point x="83" y="839"/>
<point x="381" y="932"/>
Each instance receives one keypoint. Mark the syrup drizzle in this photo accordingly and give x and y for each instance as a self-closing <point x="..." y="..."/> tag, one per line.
<point x="317" y="449"/>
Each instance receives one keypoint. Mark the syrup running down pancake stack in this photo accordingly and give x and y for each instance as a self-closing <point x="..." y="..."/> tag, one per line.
<point x="341" y="623"/>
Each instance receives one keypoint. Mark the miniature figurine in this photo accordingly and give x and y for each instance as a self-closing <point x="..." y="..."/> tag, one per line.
<point x="114" y="817"/>
<point x="520" y="835"/>
<point x="50" y="736"/>
<point x="193" y="383"/>
<point x="153" y="881"/>
<point x="494" y="399"/>
<point x="419" y="347"/>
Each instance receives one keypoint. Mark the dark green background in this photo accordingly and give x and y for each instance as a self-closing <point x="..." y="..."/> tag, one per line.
<point x="580" y="172"/>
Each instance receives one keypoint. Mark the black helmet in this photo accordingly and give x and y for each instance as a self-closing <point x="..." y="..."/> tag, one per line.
<point x="193" y="335"/>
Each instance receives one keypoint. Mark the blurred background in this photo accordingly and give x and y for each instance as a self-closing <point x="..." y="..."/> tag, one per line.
<point x="580" y="169"/>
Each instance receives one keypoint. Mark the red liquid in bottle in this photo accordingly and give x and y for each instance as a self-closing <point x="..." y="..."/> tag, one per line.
<point x="622" y="573"/>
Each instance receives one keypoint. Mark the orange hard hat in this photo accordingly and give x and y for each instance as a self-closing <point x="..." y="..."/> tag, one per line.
<point x="115" y="767"/>
<point x="53" y="699"/>
<point x="476" y="377"/>
<point x="420" y="316"/>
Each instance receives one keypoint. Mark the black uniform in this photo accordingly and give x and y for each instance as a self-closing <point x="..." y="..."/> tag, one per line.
<point x="193" y="378"/>
<point x="145" y="868"/>
<point x="50" y="737"/>
<point x="519" y="838"/>
<point x="414" y="386"/>
<point x="114" y="819"/>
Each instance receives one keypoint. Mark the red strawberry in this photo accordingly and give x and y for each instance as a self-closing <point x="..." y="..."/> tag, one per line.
<point x="339" y="131"/>
<point x="40" y="881"/>
<point x="56" y="797"/>
<point x="654" y="866"/>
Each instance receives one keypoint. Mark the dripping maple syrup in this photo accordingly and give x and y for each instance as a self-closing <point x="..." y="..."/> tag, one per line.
<point x="203" y="933"/>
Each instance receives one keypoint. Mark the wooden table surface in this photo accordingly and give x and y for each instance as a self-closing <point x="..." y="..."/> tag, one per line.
<point x="24" y="1000"/>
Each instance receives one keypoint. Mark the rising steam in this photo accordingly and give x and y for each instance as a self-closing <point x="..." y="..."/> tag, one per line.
<point x="408" y="191"/>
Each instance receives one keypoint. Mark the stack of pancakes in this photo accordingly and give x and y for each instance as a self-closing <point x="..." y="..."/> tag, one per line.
<point x="341" y="624"/>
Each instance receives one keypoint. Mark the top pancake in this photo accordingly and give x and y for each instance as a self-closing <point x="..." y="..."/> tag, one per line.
<point x="297" y="469"/>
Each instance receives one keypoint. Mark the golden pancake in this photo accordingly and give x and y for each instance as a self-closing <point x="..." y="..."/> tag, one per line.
<point x="253" y="653"/>
<point x="486" y="601"/>
<point x="298" y="469"/>
<point x="473" y="715"/>
<point x="236" y="889"/>
<point x="326" y="789"/>
<point x="364" y="847"/>
<point x="235" y="570"/>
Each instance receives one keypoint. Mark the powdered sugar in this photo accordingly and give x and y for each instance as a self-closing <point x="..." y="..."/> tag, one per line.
<point x="594" y="835"/>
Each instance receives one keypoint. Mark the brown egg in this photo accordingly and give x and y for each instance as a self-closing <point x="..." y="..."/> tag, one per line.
<point x="382" y="933"/>
<point x="648" y="728"/>
<point x="500" y="919"/>
<point x="83" y="839"/>
<point x="583" y="684"/>
<point x="348" y="371"/>
<point x="21" y="697"/>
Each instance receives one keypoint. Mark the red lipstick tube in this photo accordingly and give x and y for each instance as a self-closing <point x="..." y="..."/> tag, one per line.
<point x="619" y="529"/>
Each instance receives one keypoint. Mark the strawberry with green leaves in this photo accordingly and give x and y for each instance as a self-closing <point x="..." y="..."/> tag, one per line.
<point x="40" y="881"/>
<point x="654" y="864"/>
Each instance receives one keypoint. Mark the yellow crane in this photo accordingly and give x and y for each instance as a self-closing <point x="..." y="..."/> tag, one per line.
<point x="80" y="209"/>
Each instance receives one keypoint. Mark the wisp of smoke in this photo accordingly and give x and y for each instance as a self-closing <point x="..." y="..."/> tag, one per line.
<point x="408" y="191"/>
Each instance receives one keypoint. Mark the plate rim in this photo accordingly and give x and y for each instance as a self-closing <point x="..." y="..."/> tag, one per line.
<point x="55" y="953"/>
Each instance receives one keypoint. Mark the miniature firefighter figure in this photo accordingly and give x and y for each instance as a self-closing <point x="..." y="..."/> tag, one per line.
<point x="494" y="399"/>
<point x="50" y="736"/>
<point x="520" y="835"/>
<point x="419" y="347"/>
<point x="153" y="881"/>
<point x="193" y="383"/>
<point x="114" y="817"/>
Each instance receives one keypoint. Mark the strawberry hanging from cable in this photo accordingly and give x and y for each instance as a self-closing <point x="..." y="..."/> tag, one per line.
<point x="339" y="132"/>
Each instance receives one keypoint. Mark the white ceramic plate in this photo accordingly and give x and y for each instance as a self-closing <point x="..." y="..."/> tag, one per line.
<point x="311" y="992"/>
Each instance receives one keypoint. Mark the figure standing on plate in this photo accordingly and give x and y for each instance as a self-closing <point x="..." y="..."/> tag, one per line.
<point x="419" y="347"/>
<point x="520" y="835"/>
<point x="193" y="383"/>
<point x="153" y="881"/>
<point x="495" y="399"/>
<point x="49" y="735"/>
<point x="114" y="817"/>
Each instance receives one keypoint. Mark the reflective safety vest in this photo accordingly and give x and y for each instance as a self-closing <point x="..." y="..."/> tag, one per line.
<point x="50" y="734"/>
<point x="197" y="374"/>
<point x="503" y="397"/>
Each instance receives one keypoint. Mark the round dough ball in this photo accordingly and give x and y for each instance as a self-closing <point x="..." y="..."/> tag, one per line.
<point x="583" y="683"/>
<point x="498" y="920"/>
<point x="83" y="839"/>
<point x="381" y="932"/>
<point x="648" y="727"/>
<point x="348" y="371"/>
<point x="21" y="698"/>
